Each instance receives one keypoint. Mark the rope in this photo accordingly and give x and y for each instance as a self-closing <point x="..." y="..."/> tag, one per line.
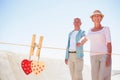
<point x="45" y="47"/>
<point x="15" y="44"/>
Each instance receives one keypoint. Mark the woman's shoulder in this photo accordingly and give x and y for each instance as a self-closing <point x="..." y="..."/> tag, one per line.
<point x="106" y="28"/>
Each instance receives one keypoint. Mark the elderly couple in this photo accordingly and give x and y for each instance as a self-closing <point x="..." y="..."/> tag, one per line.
<point x="100" y="49"/>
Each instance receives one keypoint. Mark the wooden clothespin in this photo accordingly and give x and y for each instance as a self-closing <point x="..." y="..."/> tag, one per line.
<point x="39" y="47"/>
<point x="33" y="44"/>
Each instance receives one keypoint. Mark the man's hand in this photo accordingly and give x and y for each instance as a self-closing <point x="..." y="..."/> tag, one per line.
<point x="66" y="61"/>
<point x="108" y="61"/>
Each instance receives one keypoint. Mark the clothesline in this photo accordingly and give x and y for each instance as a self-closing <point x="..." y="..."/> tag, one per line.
<point x="6" y="43"/>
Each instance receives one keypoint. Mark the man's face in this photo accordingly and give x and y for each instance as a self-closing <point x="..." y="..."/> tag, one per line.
<point x="77" y="23"/>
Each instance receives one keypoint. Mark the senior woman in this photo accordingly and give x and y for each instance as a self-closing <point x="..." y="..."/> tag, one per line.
<point x="100" y="48"/>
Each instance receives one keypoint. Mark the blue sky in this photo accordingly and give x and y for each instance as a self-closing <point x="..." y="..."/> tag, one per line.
<point x="53" y="19"/>
<point x="19" y="19"/>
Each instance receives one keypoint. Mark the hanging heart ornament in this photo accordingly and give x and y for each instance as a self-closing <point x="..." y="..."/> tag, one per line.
<point x="26" y="66"/>
<point x="37" y="67"/>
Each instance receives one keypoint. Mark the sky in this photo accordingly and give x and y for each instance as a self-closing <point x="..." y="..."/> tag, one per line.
<point x="53" y="19"/>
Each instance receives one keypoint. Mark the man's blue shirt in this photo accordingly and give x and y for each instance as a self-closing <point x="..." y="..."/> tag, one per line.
<point x="79" y="50"/>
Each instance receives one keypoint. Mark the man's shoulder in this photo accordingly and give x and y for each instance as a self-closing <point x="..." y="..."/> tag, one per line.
<point x="71" y="31"/>
<point x="82" y="31"/>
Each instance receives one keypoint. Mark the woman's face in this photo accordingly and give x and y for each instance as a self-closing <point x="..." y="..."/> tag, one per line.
<point x="97" y="18"/>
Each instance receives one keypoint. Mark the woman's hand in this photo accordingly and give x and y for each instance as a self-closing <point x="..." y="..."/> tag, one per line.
<point x="108" y="61"/>
<point x="81" y="42"/>
<point x="78" y="44"/>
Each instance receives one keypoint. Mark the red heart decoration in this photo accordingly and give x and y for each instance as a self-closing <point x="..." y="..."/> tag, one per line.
<point x="26" y="66"/>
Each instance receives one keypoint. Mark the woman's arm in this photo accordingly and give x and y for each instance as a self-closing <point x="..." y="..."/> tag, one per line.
<point x="82" y="42"/>
<point x="109" y="47"/>
<point x="108" y="60"/>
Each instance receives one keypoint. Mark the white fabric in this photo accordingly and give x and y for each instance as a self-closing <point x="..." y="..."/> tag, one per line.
<point x="55" y="69"/>
<point x="99" y="40"/>
<point x="73" y="41"/>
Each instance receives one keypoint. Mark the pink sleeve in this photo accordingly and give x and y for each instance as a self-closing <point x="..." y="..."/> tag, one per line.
<point x="107" y="35"/>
